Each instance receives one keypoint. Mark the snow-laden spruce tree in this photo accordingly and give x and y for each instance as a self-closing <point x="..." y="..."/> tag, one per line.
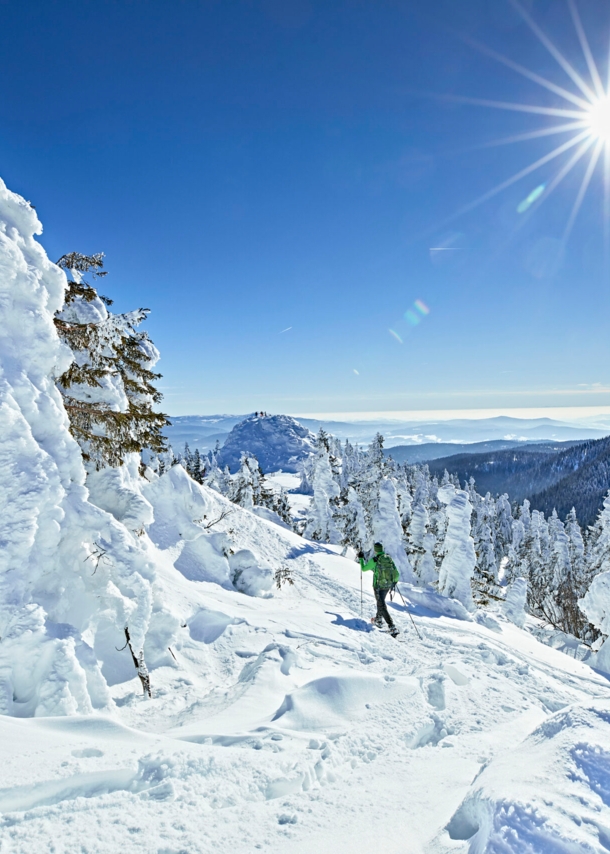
<point x="599" y="553"/>
<point x="422" y="546"/>
<point x="321" y="524"/>
<point x="485" y="580"/>
<point x="503" y="537"/>
<point x="246" y="482"/>
<point x="387" y="527"/>
<point x="516" y="601"/>
<point x="459" y="558"/>
<point x="420" y="540"/>
<point x="108" y="389"/>
<point x="595" y="604"/>
<point x="561" y="608"/>
<point x="537" y="557"/>
<point x="353" y="523"/>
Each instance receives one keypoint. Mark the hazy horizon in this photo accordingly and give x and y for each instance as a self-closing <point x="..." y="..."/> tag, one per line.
<point x="575" y="414"/>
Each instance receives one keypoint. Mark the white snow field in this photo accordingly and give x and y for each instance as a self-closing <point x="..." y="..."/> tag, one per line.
<point x="279" y="721"/>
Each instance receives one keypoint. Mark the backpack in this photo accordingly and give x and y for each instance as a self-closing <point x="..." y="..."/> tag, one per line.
<point x="385" y="573"/>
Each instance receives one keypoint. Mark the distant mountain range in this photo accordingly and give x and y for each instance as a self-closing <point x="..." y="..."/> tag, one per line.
<point x="203" y="431"/>
<point x="575" y="476"/>
<point x="440" y="450"/>
<point x="200" y="431"/>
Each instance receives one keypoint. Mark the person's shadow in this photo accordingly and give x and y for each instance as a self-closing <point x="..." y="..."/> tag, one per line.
<point x="356" y="624"/>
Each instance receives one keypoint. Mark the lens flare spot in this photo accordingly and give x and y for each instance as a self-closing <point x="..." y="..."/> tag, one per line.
<point x="412" y="318"/>
<point x="421" y="306"/>
<point x="356" y="372"/>
<point x="395" y="335"/>
<point x="529" y="201"/>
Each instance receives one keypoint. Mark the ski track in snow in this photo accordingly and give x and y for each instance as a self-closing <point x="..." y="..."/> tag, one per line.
<point x="298" y="728"/>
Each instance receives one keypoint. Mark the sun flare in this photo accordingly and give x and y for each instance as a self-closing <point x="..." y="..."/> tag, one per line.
<point x="599" y="119"/>
<point x="583" y="122"/>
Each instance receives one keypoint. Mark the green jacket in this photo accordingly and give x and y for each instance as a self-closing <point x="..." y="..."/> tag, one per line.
<point x="384" y="569"/>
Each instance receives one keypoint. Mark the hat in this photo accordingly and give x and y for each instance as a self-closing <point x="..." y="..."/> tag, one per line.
<point x="378" y="547"/>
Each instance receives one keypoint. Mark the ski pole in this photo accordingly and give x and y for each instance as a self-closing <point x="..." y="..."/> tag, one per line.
<point x="360" y="591"/>
<point x="409" y="613"/>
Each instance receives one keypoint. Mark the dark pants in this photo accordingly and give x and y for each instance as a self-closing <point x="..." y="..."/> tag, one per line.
<point x="382" y="608"/>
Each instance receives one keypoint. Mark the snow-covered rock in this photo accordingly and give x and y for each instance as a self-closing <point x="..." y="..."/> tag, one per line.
<point x="250" y="574"/>
<point x="277" y="441"/>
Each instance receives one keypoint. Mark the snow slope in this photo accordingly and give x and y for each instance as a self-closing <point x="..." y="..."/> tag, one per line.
<point x="285" y="724"/>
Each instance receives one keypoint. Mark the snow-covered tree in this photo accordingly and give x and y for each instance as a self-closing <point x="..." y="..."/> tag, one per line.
<point x="485" y="580"/>
<point x="244" y="483"/>
<point x="504" y="527"/>
<point x="459" y="559"/>
<point x="353" y="522"/>
<point x="387" y="527"/>
<point x="108" y="390"/>
<point x="321" y="523"/>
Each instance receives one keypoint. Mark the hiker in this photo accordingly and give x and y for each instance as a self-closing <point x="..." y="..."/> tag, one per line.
<point x="385" y="576"/>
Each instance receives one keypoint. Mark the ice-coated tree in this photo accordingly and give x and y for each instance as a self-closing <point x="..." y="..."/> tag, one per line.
<point x="512" y="562"/>
<point x="599" y="556"/>
<point x="321" y="524"/>
<point x="537" y="556"/>
<point x="350" y="464"/>
<point x="405" y="501"/>
<point x="485" y="580"/>
<point x="515" y="602"/>
<point x="504" y="527"/>
<point x="459" y="558"/>
<point x="281" y="506"/>
<point x="243" y="484"/>
<point x="108" y="390"/>
<point x="595" y="605"/>
<point x="576" y="547"/>
<point x="353" y="522"/>
<point x="387" y="528"/>
<point x="421" y="541"/>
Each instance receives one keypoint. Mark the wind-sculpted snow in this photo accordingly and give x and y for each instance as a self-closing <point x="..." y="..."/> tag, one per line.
<point x="550" y="794"/>
<point x="277" y="441"/>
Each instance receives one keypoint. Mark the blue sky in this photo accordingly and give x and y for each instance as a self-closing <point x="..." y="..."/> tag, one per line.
<point x="254" y="166"/>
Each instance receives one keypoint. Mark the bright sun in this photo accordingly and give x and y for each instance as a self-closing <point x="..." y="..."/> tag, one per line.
<point x="583" y="120"/>
<point x="599" y="119"/>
